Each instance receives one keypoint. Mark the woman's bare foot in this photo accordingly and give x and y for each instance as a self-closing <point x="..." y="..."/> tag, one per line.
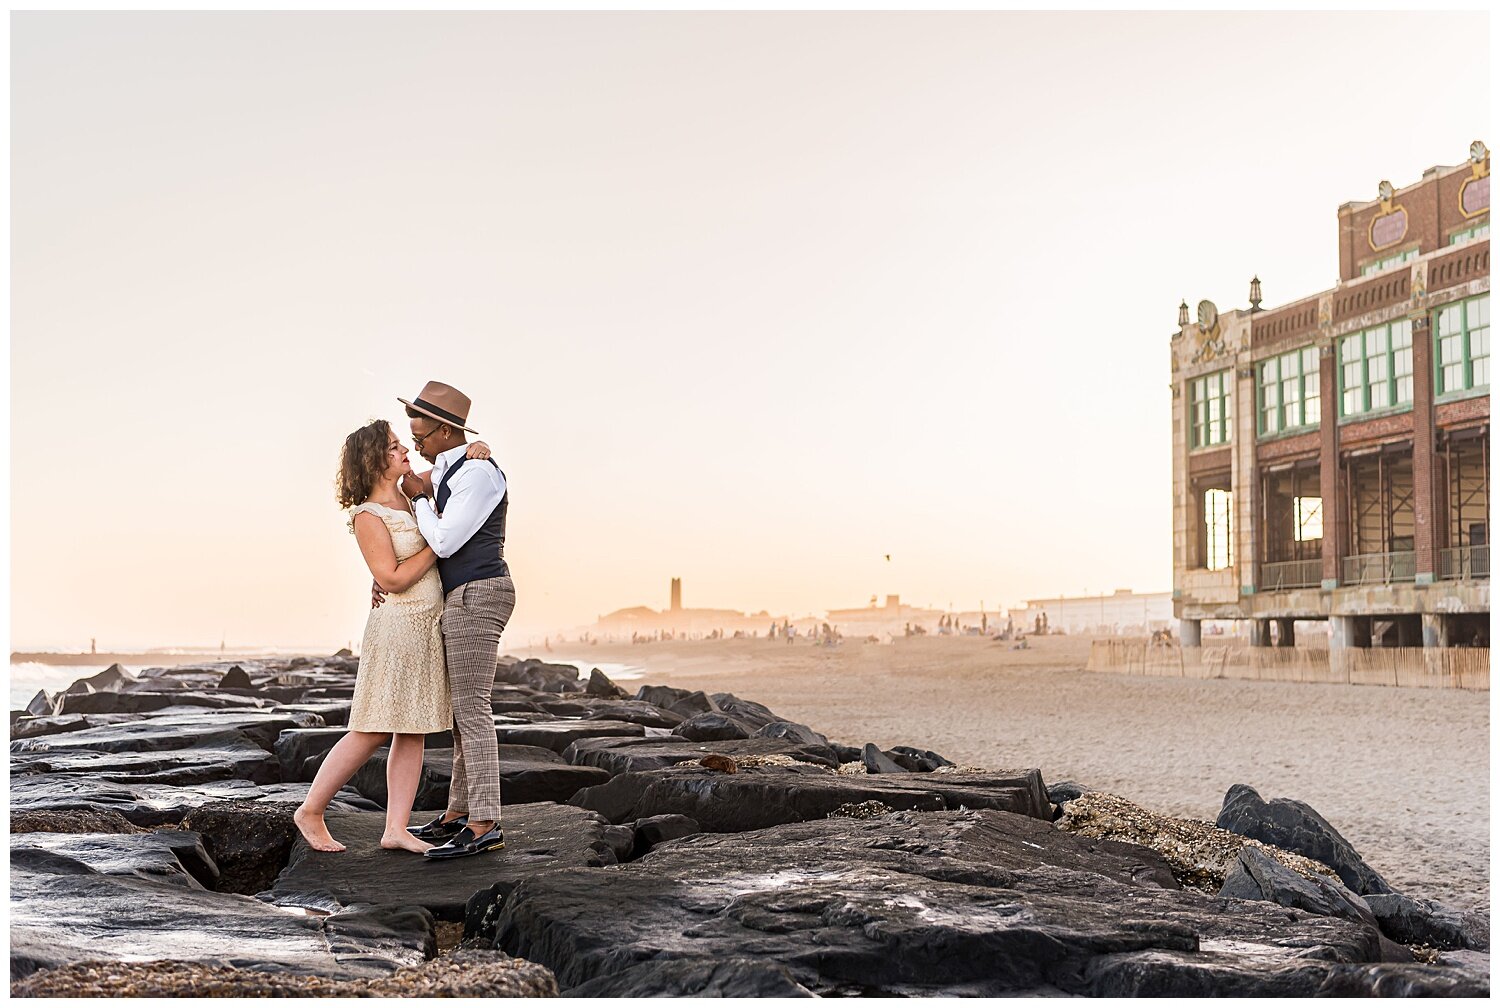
<point x="315" y="831"/>
<point x="404" y="841"/>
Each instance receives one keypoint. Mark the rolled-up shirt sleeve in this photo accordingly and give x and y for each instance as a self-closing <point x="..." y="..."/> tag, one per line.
<point x="475" y="495"/>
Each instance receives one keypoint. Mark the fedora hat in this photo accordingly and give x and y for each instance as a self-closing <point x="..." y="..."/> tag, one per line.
<point x="442" y="403"/>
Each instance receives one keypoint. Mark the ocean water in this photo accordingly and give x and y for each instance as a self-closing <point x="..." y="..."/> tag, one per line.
<point x="26" y="678"/>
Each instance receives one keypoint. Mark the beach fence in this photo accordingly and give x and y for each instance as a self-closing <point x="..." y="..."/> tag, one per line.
<point x="1435" y="668"/>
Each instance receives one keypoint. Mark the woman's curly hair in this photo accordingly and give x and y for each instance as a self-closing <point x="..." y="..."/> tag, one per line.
<point x="362" y="463"/>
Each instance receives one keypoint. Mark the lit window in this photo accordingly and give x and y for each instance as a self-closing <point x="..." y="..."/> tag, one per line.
<point x="1289" y="388"/>
<point x="1208" y="409"/>
<point x="1462" y="331"/>
<point x="1375" y="369"/>
<point x="1218" y="527"/>
<point x="1309" y="515"/>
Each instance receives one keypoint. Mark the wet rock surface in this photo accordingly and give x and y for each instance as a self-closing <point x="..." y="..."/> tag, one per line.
<point x="757" y="797"/>
<point x="538" y="837"/>
<point x="172" y="857"/>
<point x="627" y="755"/>
<point x="959" y="903"/>
<point x="59" y="918"/>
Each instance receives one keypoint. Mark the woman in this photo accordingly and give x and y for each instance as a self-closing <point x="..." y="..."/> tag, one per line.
<point x="401" y="693"/>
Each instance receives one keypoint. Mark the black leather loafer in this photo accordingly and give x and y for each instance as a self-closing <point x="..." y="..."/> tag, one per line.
<point x="466" y="843"/>
<point x="437" y="830"/>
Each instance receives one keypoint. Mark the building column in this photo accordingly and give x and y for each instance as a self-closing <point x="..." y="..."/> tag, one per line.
<point x="1425" y="504"/>
<point x="1287" y="630"/>
<point x="1348" y="632"/>
<point x="1260" y="633"/>
<point x="1436" y="630"/>
<point x="1191" y="632"/>
<point x="1328" y="458"/>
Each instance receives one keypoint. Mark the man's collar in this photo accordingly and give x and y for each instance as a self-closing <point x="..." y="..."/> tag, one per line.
<point x="450" y="456"/>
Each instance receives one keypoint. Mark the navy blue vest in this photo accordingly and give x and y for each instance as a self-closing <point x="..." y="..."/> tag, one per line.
<point x="483" y="556"/>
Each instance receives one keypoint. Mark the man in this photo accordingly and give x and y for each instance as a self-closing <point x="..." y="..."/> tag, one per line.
<point x="460" y="507"/>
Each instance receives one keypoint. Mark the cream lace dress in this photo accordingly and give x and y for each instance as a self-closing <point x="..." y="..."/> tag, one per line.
<point x="402" y="684"/>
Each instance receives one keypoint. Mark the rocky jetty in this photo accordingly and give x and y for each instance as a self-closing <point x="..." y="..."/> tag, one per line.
<point x="664" y="842"/>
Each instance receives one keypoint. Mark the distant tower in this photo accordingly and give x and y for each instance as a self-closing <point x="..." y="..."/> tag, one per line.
<point x="676" y="594"/>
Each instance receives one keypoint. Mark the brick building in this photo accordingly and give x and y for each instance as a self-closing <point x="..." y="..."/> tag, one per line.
<point x="1331" y="456"/>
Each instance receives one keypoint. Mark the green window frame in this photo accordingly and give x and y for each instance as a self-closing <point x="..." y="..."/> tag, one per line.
<point x="1289" y="388"/>
<point x="1208" y="407"/>
<point x="1375" y="369"/>
<point x="1461" y="351"/>
<point x="1387" y="262"/>
<point x="1218" y="529"/>
<point x="1480" y="230"/>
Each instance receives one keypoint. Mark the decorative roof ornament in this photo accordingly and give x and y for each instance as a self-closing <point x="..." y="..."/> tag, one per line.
<point x="1255" y="293"/>
<point x="1182" y="314"/>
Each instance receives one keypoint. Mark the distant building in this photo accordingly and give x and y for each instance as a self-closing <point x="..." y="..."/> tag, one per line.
<point x="1330" y="457"/>
<point x="891" y="618"/>
<point x="1122" y="613"/>
<point x="679" y="622"/>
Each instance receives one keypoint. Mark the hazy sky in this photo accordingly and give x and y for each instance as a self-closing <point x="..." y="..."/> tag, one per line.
<point x="747" y="299"/>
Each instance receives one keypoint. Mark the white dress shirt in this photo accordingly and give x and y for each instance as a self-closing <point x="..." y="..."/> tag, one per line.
<point x="473" y="495"/>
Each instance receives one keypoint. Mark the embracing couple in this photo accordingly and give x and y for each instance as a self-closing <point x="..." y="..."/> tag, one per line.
<point x="435" y="543"/>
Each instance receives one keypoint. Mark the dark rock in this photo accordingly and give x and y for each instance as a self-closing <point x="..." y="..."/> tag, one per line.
<point x="733" y="977"/>
<point x="635" y="712"/>
<point x="183" y="730"/>
<point x="624" y="755"/>
<point x="44" y="704"/>
<point x="696" y="702"/>
<point x="540" y="675"/>
<point x="758" y="797"/>
<point x="538" y="838"/>
<point x="664" y="697"/>
<point x="249" y="841"/>
<point x="471" y="973"/>
<point x="36" y="727"/>
<point x="223" y="755"/>
<point x="142" y="703"/>
<point x="653" y="830"/>
<point x="949" y="903"/>
<point x="147" y="804"/>
<point x="877" y="762"/>
<point x="621" y="841"/>
<point x="71" y="821"/>
<point x="602" y="685"/>
<point x="917" y="760"/>
<point x="112" y="680"/>
<point x="1402" y="980"/>
<point x="1065" y="791"/>
<point x="235" y="678"/>
<point x="847" y="753"/>
<point x="711" y="727"/>
<point x="169" y="857"/>
<point x="558" y="735"/>
<point x="1255" y="876"/>
<point x="1295" y="826"/>
<point x="1427" y="922"/>
<point x="747" y="712"/>
<point x="799" y="734"/>
<point x="65" y="918"/>
<point x="335" y="713"/>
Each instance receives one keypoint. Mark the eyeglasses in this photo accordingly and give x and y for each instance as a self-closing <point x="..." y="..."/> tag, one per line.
<point x="417" y="439"/>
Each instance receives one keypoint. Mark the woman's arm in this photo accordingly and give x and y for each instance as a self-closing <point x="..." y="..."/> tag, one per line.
<point x="380" y="556"/>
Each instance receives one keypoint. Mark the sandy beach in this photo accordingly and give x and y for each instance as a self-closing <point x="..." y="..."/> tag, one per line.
<point x="1402" y="773"/>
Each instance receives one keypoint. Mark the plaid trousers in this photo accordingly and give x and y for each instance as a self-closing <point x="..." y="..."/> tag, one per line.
<point x="474" y="616"/>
